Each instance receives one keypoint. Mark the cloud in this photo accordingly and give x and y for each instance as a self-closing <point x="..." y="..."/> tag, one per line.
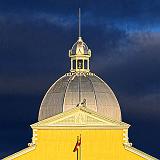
<point x="128" y="15"/>
<point x="137" y="60"/>
<point x="141" y="105"/>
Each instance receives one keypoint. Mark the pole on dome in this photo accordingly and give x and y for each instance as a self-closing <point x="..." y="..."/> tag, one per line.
<point x="79" y="22"/>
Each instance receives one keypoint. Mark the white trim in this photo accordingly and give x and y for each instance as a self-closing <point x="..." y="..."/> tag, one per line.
<point x="82" y="127"/>
<point x="139" y="153"/>
<point x="24" y="151"/>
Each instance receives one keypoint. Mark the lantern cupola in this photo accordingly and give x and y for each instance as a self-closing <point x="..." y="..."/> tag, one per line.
<point x="80" y="55"/>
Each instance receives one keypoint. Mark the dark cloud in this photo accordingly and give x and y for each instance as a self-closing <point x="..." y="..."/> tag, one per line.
<point x="144" y="12"/>
<point x="136" y="60"/>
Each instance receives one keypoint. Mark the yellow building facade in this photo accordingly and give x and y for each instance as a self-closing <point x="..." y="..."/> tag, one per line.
<point x="102" y="138"/>
<point x="80" y="104"/>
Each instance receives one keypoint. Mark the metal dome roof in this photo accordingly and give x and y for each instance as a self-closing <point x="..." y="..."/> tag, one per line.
<point x="71" y="88"/>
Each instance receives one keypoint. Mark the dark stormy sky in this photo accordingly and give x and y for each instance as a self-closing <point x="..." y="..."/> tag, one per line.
<point x="35" y="36"/>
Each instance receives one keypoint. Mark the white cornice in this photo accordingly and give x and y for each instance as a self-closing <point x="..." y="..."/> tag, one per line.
<point x="81" y="127"/>
<point x="24" y="151"/>
<point x="138" y="152"/>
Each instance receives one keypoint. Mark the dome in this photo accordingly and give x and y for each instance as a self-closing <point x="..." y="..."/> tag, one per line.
<point x="73" y="88"/>
<point x="80" y="87"/>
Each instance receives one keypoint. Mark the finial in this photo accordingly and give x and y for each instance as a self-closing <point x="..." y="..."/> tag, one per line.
<point x="79" y="22"/>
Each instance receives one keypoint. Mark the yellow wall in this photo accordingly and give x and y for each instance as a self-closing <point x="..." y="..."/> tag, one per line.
<point x="96" y="145"/>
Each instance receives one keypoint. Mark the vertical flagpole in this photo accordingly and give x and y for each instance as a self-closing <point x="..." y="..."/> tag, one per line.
<point x="77" y="149"/>
<point x="77" y="154"/>
<point x="80" y="148"/>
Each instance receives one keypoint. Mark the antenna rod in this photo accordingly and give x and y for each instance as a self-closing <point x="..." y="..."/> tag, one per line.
<point x="79" y="27"/>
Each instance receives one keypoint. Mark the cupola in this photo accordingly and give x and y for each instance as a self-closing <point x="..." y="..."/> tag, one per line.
<point x="80" y="55"/>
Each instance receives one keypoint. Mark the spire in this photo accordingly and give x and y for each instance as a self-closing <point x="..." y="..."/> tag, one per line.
<point x="79" y="23"/>
<point x="80" y="53"/>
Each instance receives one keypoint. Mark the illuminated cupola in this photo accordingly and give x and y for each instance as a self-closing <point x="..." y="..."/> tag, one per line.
<point x="80" y="55"/>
